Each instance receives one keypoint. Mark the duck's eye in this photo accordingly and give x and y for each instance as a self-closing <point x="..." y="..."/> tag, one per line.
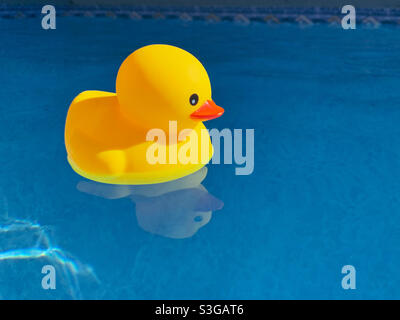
<point x="194" y="98"/>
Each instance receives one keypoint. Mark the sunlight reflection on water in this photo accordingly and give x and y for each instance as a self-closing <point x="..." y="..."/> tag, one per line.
<point x="26" y="240"/>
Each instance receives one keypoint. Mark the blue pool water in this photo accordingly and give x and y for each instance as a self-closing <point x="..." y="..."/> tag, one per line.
<point x="325" y="191"/>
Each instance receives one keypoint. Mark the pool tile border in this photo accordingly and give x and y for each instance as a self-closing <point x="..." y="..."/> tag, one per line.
<point x="245" y="15"/>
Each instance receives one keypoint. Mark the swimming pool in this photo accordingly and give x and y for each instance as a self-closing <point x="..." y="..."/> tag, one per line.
<point x="324" y="193"/>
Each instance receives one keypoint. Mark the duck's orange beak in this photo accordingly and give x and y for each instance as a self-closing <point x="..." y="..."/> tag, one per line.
<point x="209" y="110"/>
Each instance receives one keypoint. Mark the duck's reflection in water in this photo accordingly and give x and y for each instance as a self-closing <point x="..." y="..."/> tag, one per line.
<point x="175" y="209"/>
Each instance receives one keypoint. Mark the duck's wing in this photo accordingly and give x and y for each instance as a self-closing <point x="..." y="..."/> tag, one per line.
<point x="88" y="111"/>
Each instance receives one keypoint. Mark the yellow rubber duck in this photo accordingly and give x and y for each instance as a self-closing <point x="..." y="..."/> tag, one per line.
<point x="106" y="134"/>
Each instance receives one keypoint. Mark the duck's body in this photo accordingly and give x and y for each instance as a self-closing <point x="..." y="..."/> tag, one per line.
<point x="106" y="143"/>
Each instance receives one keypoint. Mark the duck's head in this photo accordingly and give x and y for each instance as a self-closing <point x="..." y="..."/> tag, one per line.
<point x="161" y="83"/>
